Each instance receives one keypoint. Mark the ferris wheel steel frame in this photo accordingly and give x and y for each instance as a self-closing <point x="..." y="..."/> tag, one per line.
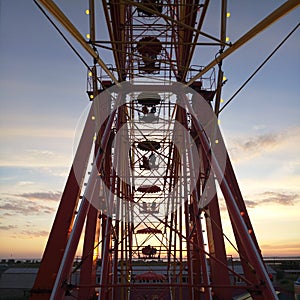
<point x="181" y="231"/>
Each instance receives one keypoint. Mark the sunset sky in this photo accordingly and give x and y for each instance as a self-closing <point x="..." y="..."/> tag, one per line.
<point x="42" y="97"/>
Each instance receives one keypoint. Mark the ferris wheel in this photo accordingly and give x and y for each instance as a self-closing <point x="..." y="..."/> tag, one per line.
<point x="145" y="185"/>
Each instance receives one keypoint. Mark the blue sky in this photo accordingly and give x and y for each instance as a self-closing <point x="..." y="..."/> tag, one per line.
<point x="42" y="96"/>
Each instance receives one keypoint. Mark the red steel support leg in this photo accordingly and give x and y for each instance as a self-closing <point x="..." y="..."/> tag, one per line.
<point x="249" y="271"/>
<point x="249" y="246"/>
<point x="67" y="260"/>
<point x="59" y="288"/>
<point x="92" y="233"/>
<point x="219" y="273"/>
<point x="64" y="218"/>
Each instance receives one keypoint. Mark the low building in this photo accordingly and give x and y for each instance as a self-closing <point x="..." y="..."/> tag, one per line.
<point x="238" y="268"/>
<point x="17" y="282"/>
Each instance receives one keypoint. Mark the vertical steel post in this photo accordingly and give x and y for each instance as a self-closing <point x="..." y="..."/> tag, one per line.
<point x="220" y="72"/>
<point x="195" y="197"/>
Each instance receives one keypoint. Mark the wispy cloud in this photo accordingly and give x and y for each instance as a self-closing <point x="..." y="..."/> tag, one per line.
<point x="7" y="215"/>
<point x="33" y="234"/>
<point x="259" y="127"/>
<point x="24" y="231"/>
<point x="42" y="132"/>
<point x="280" y="198"/>
<point x="7" y="227"/>
<point x="56" y="172"/>
<point x="280" y="248"/>
<point x="249" y="147"/>
<point x="282" y="245"/>
<point x="18" y="232"/>
<point x="40" y="152"/>
<point x="287" y="199"/>
<point x="270" y="197"/>
<point x="266" y="140"/>
<point x="58" y="155"/>
<point x="24" y="183"/>
<point x="25" y="208"/>
<point x="52" y="196"/>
